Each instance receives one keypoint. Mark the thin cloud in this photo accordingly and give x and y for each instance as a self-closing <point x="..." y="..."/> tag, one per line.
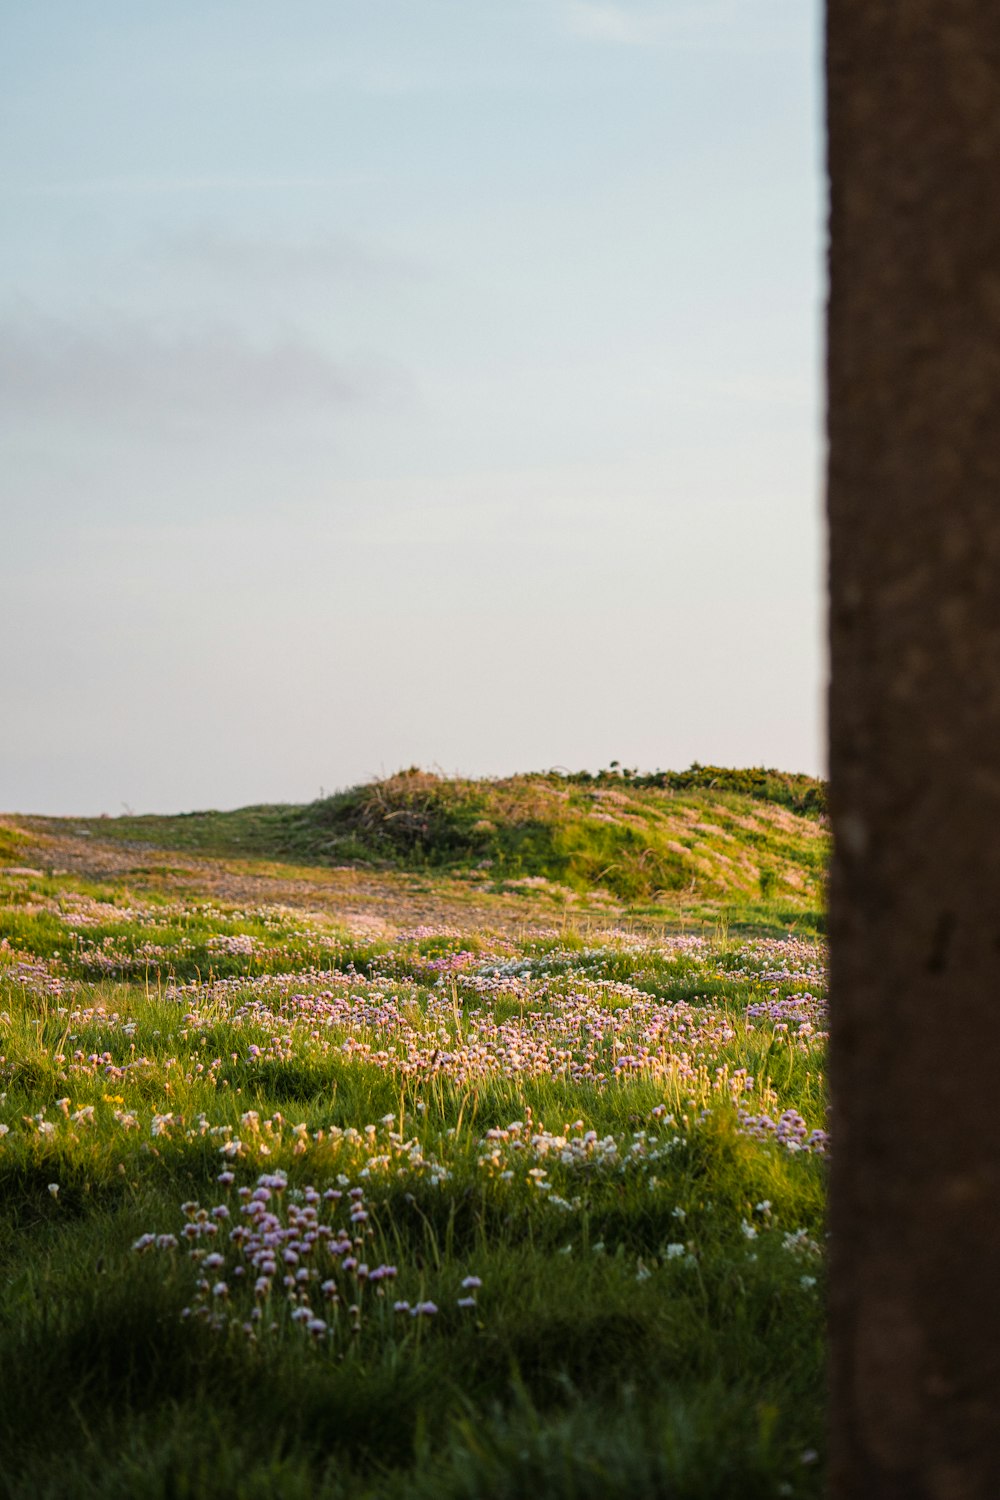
<point x="147" y="186"/>
<point x="127" y="375"/>
<point x="705" y="25"/>
<point x="610" y="23"/>
<point x="336" y="258"/>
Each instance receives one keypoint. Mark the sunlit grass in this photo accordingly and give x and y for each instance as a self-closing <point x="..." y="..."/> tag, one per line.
<point x="599" y="1156"/>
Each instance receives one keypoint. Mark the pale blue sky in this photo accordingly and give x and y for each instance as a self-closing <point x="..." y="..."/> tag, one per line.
<point x="398" y="381"/>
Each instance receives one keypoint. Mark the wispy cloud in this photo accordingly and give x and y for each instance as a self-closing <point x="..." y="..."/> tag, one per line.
<point x="340" y="258"/>
<point x="127" y="375"/>
<point x="85" y="187"/>
<point x="611" y="23"/>
<point x="616" y="22"/>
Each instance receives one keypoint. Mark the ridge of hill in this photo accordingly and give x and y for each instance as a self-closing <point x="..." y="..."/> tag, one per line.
<point x="710" y="832"/>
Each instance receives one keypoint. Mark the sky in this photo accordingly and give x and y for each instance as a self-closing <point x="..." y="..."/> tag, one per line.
<point x="405" y="382"/>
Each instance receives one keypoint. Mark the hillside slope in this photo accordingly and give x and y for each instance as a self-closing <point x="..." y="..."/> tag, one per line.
<point x="719" y="835"/>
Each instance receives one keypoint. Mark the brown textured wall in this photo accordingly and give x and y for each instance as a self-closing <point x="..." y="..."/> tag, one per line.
<point x="914" y="508"/>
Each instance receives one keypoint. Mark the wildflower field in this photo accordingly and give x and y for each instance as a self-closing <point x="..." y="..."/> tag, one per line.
<point x="411" y="1179"/>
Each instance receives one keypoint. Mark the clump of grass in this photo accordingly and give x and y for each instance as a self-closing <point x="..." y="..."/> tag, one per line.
<point x="638" y="837"/>
<point x="13" y="845"/>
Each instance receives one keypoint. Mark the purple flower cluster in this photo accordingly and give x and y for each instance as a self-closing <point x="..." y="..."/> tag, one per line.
<point x="287" y="1264"/>
<point x="789" y="1130"/>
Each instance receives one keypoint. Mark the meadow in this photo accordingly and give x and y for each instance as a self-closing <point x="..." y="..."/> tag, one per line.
<point x="438" y="1139"/>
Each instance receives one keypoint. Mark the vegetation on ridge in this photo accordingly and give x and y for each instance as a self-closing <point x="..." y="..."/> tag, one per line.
<point x="633" y="836"/>
<point x="732" y="836"/>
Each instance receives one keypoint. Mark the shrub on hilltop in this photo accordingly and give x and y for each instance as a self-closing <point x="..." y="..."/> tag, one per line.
<point x="806" y="795"/>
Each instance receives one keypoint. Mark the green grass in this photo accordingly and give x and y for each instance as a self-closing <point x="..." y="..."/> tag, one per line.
<point x="13" y="845"/>
<point x="747" y="838"/>
<point x="554" y="1110"/>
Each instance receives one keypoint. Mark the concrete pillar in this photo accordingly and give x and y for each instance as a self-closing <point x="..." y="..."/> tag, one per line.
<point x="914" y="509"/>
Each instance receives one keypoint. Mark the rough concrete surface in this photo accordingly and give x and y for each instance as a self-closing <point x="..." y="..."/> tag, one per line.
<point x="914" y="509"/>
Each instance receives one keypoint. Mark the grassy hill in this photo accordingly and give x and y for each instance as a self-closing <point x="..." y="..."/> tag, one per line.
<point x="713" y="834"/>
